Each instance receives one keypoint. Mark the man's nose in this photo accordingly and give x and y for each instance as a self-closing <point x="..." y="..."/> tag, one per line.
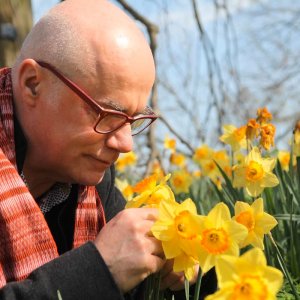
<point x="121" y="139"/>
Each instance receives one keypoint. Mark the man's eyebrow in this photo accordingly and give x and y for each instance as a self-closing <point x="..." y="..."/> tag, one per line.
<point x="116" y="106"/>
<point x="113" y="105"/>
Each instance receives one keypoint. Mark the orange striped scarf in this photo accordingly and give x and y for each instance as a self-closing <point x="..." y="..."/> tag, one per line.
<point x="25" y="239"/>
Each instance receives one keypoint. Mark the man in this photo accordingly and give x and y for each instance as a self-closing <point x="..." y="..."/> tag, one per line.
<point x="69" y="107"/>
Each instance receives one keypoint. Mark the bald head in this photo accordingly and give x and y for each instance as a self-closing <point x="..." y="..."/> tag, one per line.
<point x="88" y="38"/>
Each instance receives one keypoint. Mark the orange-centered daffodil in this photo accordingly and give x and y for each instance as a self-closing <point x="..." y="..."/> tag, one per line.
<point x="219" y="234"/>
<point x="150" y="192"/>
<point x="178" y="229"/>
<point x="246" y="278"/>
<point x="257" y="222"/>
<point x="181" y="181"/>
<point x="255" y="173"/>
<point x="235" y="137"/>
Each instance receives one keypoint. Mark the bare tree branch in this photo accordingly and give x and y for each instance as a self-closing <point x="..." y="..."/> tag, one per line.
<point x="152" y="30"/>
<point x="180" y="138"/>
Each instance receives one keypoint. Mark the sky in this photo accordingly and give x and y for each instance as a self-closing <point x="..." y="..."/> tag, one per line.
<point x="40" y="7"/>
<point x="182" y="24"/>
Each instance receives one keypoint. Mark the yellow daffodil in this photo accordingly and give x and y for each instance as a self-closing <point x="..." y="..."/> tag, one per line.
<point x="235" y="137"/>
<point x="181" y="181"/>
<point x="246" y="278"/>
<point x="239" y="157"/>
<point x="284" y="159"/>
<point x="252" y="129"/>
<point x="202" y="153"/>
<point x="125" y="160"/>
<point x="170" y="144"/>
<point x="221" y="158"/>
<point x="125" y="188"/>
<point x="267" y="133"/>
<point x="177" y="227"/>
<point x="255" y="173"/>
<point x="263" y="115"/>
<point x="257" y="222"/>
<point x="210" y="169"/>
<point x="219" y="234"/>
<point x="209" y="166"/>
<point x="177" y="159"/>
<point x="150" y="192"/>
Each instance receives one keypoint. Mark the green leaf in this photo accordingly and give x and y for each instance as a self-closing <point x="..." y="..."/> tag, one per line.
<point x="235" y="194"/>
<point x="287" y="217"/>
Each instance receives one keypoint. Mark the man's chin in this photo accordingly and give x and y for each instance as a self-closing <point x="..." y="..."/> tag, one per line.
<point x="92" y="180"/>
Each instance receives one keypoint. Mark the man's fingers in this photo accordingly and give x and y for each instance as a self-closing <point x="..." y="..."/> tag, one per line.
<point x="155" y="247"/>
<point x="151" y="213"/>
<point x="156" y="264"/>
<point x="168" y="268"/>
<point x="178" y="285"/>
<point x="173" y="281"/>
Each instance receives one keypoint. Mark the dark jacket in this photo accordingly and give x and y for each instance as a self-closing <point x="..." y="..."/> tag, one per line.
<point x="80" y="273"/>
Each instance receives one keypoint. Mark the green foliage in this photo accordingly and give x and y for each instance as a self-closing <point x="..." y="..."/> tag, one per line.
<point x="286" y="292"/>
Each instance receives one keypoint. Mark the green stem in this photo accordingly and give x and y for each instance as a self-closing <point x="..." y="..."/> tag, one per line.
<point x="284" y="268"/>
<point x="187" y="289"/>
<point x="198" y="285"/>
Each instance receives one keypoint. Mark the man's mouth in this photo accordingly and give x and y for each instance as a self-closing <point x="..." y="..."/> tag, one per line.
<point x="106" y="163"/>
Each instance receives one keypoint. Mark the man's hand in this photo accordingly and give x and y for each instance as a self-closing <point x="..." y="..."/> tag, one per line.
<point x="174" y="281"/>
<point x="128" y="247"/>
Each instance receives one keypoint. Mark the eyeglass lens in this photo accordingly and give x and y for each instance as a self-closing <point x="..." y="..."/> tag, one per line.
<point x="112" y="122"/>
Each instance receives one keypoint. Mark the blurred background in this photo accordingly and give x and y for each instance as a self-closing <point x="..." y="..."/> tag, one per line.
<point x="217" y="61"/>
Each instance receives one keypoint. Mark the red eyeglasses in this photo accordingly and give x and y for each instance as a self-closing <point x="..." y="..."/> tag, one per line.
<point x="108" y="120"/>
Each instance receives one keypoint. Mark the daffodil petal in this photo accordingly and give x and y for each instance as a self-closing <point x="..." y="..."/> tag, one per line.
<point x="225" y="269"/>
<point x="258" y="206"/>
<point x="171" y="249"/>
<point x="207" y="261"/>
<point x="167" y="210"/>
<point x="265" y="222"/>
<point x="219" y="214"/>
<point x="254" y="155"/>
<point x="240" y="206"/>
<point x="269" y="164"/>
<point x="186" y="264"/>
<point x="187" y="205"/>
<point x="239" y="176"/>
<point x="163" y="231"/>
<point x="254" y="189"/>
<point x="275" y="279"/>
<point x="236" y="231"/>
<point x="255" y="257"/>
<point x="256" y="240"/>
<point x="270" y="180"/>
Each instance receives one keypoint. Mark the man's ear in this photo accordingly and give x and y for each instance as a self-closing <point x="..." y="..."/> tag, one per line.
<point x="29" y="78"/>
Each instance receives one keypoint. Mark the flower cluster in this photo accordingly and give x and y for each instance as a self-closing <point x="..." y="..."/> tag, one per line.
<point x="191" y="238"/>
